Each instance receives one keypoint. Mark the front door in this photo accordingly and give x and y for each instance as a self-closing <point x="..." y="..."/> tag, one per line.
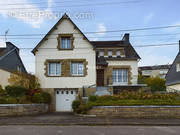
<point x="100" y="77"/>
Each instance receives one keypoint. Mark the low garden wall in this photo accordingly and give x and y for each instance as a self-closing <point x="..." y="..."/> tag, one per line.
<point x="22" y="109"/>
<point x="137" y="111"/>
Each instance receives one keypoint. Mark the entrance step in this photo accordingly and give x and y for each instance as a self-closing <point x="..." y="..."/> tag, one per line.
<point x="101" y="91"/>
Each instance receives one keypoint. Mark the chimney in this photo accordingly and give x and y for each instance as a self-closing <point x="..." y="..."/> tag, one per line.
<point x="126" y="38"/>
<point x="179" y="46"/>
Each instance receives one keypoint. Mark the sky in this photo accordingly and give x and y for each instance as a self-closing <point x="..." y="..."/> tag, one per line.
<point x="22" y="17"/>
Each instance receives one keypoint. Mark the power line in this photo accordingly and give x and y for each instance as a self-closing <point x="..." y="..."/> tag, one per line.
<point x="82" y="5"/>
<point x="148" y="45"/>
<point x="111" y="31"/>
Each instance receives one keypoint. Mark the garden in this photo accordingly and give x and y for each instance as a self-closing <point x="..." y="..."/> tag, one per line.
<point x="24" y="89"/>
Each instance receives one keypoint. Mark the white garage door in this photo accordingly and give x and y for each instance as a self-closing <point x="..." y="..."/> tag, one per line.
<point x="64" y="99"/>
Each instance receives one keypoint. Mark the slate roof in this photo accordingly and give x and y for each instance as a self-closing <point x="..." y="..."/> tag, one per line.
<point x="130" y="53"/>
<point x="10" y="59"/>
<point x="173" y="77"/>
<point x="156" y="67"/>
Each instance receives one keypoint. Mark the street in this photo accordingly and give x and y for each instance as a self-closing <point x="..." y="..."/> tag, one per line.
<point x="89" y="130"/>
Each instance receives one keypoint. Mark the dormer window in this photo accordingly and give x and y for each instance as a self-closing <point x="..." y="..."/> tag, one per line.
<point x="118" y="53"/>
<point x="110" y="53"/>
<point x="65" y="42"/>
<point x="178" y="67"/>
<point x="101" y="53"/>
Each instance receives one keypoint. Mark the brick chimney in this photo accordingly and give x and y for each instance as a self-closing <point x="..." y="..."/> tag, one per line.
<point x="126" y="38"/>
<point x="179" y="46"/>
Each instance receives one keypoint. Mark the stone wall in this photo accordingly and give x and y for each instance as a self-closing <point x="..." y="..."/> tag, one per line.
<point x="22" y="109"/>
<point x="137" y="111"/>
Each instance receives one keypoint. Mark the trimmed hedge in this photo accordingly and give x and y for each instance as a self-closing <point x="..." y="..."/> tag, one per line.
<point x="15" y="91"/>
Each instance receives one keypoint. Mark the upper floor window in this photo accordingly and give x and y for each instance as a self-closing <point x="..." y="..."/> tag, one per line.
<point x="77" y="68"/>
<point x="19" y="68"/>
<point x="65" y="43"/>
<point x="54" y="69"/>
<point x="109" y="53"/>
<point x="101" y="53"/>
<point x="178" y="67"/>
<point x="120" y="76"/>
<point x="118" y="53"/>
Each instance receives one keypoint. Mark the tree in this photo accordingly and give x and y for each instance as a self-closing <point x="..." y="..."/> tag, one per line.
<point x="156" y="84"/>
<point x="27" y="81"/>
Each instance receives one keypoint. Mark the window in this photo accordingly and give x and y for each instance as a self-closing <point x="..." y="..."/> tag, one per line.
<point x="118" y="53"/>
<point x="19" y="68"/>
<point x="109" y="53"/>
<point x="101" y="53"/>
<point x="178" y="67"/>
<point x="65" y="42"/>
<point x="54" y="69"/>
<point x="120" y="76"/>
<point x="77" y="69"/>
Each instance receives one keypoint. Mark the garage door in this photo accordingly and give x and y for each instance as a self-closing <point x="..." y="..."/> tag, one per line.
<point x="64" y="99"/>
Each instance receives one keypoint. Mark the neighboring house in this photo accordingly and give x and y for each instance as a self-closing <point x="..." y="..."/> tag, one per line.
<point x="153" y="71"/>
<point x="173" y="75"/>
<point x="67" y="62"/>
<point x="10" y="61"/>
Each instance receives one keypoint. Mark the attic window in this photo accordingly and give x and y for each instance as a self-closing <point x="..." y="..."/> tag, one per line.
<point x="101" y="53"/>
<point x="178" y="67"/>
<point x="118" y="53"/>
<point x="110" y="53"/>
<point x="65" y="42"/>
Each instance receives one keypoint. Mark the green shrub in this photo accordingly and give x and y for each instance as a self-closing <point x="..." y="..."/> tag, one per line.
<point x="15" y="91"/>
<point x="92" y="98"/>
<point x="8" y="100"/>
<point x="156" y="84"/>
<point x="75" y="105"/>
<point x="41" y="97"/>
<point x="2" y="91"/>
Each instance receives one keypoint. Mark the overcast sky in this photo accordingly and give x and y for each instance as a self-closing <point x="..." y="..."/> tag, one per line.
<point x="38" y="17"/>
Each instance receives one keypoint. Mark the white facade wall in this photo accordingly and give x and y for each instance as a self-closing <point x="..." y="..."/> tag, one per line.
<point x="175" y="87"/>
<point x="82" y="50"/>
<point x="131" y="63"/>
<point x="5" y="75"/>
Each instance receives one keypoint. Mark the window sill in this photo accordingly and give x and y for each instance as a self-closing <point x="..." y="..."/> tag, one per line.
<point x="77" y="75"/>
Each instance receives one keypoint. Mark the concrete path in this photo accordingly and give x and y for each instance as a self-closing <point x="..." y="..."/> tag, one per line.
<point x="69" y="119"/>
<point x="85" y="130"/>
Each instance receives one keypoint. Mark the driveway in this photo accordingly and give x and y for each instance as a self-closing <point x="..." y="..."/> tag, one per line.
<point x="70" y="119"/>
<point x="85" y="130"/>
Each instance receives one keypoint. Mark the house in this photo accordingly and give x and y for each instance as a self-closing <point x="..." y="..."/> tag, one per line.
<point x="173" y="75"/>
<point x="153" y="71"/>
<point x="10" y="61"/>
<point x="67" y="64"/>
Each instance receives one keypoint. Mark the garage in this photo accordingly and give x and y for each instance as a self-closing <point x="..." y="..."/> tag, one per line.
<point x="64" y="99"/>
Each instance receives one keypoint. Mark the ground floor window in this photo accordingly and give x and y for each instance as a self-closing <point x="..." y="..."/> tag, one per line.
<point x="120" y="76"/>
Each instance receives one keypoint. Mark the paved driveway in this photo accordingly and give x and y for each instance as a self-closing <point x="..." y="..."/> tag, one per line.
<point x="70" y="119"/>
<point x="85" y="130"/>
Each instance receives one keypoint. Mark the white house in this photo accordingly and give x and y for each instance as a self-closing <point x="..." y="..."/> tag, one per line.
<point x="66" y="61"/>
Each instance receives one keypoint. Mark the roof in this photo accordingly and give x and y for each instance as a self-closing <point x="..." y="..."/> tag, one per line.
<point x="173" y="77"/>
<point x="3" y="51"/>
<point x="156" y="67"/>
<point x="130" y="53"/>
<point x="65" y="16"/>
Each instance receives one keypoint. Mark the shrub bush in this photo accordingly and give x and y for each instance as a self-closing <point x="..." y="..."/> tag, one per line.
<point x="41" y="97"/>
<point x="75" y="105"/>
<point x="15" y="91"/>
<point x="8" y="100"/>
<point x="92" y="98"/>
<point x="156" y="84"/>
<point x="2" y="91"/>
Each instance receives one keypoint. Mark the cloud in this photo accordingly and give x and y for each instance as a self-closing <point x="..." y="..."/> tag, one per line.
<point x="28" y="13"/>
<point x="148" y="18"/>
<point x="101" y="27"/>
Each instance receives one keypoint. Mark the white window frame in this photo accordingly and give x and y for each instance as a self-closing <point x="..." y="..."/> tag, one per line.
<point x="66" y="43"/>
<point x="19" y="68"/>
<point x="78" y="71"/>
<point x="178" y="67"/>
<point x="55" y="73"/>
<point x="110" y="53"/>
<point x="118" y="53"/>
<point x="124" y="78"/>
<point x="101" y="53"/>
